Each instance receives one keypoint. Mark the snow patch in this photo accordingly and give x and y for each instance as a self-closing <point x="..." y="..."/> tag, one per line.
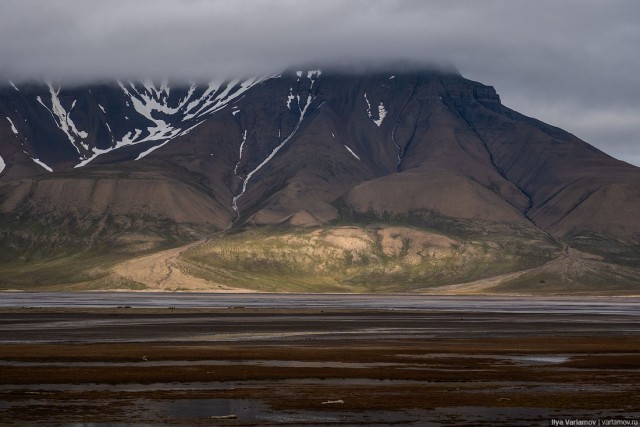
<point x="14" y="86"/>
<point x="13" y="128"/>
<point x="351" y="151"/>
<point x="63" y="121"/>
<point x="290" y="98"/>
<point x="41" y="163"/>
<point x="96" y="152"/>
<point x="382" y="112"/>
<point x="146" y="104"/>
<point x="151" y="101"/>
<point x="212" y="88"/>
<point x="234" y="202"/>
<point x="299" y="73"/>
<point x="2" y="164"/>
<point x="392" y="77"/>
<point x="244" y="140"/>
<point x="368" y="105"/>
<point x="235" y="112"/>
<point x="313" y="75"/>
<point x="152" y="149"/>
<point x="209" y="106"/>
<point x="102" y="108"/>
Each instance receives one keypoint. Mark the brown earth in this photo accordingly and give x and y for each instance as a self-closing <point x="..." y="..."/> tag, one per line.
<point x="529" y="370"/>
<point x="161" y="272"/>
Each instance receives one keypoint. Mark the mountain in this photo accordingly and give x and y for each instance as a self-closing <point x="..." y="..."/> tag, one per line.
<point x="308" y="180"/>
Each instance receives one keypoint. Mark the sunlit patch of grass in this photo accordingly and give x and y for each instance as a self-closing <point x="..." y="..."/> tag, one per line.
<point x="276" y="259"/>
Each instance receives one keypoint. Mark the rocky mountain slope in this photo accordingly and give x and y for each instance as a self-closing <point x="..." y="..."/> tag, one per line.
<point x="103" y="172"/>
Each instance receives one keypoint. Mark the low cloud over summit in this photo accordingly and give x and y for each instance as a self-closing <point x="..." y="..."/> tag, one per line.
<point x="571" y="63"/>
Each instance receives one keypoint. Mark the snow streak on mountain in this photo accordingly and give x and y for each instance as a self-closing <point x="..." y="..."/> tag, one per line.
<point x="295" y="101"/>
<point x="171" y="117"/>
<point x="106" y="118"/>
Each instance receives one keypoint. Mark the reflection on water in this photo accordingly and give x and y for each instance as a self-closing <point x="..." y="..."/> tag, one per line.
<point x="258" y="362"/>
<point x="543" y="359"/>
<point x="243" y="409"/>
<point x="248" y="412"/>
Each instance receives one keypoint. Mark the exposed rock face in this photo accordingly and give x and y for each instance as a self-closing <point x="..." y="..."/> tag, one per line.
<point x="308" y="148"/>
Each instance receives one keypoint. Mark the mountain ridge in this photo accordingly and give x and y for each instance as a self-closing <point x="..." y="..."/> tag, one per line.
<point x="424" y="149"/>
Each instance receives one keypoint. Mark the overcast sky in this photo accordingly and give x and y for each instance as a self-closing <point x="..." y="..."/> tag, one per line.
<point x="571" y="63"/>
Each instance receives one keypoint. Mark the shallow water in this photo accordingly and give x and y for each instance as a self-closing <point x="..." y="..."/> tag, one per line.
<point x="593" y="305"/>
<point x="393" y="320"/>
<point x="544" y="359"/>
<point x="162" y="363"/>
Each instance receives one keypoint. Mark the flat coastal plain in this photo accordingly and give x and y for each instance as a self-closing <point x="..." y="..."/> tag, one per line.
<point x="113" y="359"/>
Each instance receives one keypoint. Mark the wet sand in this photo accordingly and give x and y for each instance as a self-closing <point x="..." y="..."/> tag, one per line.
<point x="472" y="364"/>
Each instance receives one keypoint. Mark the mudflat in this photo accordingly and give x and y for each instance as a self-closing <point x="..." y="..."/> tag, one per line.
<point x="322" y="365"/>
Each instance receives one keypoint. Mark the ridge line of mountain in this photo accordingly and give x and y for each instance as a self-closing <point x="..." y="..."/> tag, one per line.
<point x="441" y="155"/>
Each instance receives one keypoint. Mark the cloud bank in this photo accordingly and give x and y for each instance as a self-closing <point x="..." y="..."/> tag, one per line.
<point x="573" y="63"/>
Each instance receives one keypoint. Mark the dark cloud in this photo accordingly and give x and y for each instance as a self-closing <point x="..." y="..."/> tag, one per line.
<point x="573" y="63"/>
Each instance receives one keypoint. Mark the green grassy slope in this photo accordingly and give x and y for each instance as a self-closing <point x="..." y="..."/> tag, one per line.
<point x="375" y="258"/>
